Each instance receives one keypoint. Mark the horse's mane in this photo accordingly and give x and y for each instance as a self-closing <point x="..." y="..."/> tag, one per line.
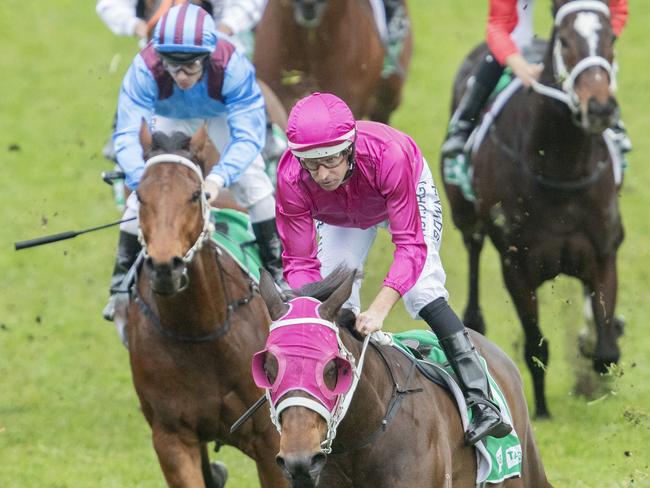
<point x="321" y="290"/>
<point x="176" y="142"/>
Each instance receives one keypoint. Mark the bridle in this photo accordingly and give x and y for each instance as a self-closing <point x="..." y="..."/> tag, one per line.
<point x="566" y="77"/>
<point x="207" y="227"/>
<point x="204" y="236"/>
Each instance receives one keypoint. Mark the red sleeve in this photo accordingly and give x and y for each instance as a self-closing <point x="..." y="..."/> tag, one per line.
<point x="502" y="21"/>
<point x="619" y="12"/>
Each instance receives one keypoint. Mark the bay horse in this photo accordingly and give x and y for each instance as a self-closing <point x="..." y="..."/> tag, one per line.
<point x="546" y="193"/>
<point x="194" y="323"/>
<point x="302" y="46"/>
<point x="400" y="429"/>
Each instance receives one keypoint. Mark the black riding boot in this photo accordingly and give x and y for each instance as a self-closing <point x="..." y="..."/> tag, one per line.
<point x="469" y="108"/>
<point x="128" y="248"/>
<point x="454" y="339"/>
<point x="270" y="246"/>
<point x="486" y="417"/>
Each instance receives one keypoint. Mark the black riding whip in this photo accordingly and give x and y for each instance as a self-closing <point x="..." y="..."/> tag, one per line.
<point x="39" y="241"/>
<point x="248" y="413"/>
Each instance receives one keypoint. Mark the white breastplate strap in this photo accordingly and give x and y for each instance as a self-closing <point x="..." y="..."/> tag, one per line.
<point x="208" y="228"/>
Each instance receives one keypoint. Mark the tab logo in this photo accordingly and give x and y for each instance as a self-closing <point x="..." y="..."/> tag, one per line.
<point x="513" y="456"/>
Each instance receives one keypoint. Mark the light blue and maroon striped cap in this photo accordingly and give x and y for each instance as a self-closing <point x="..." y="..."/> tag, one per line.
<point x="185" y="28"/>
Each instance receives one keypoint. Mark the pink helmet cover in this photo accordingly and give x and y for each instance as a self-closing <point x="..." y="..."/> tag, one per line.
<point x="320" y="121"/>
<point x="302" y="350"/>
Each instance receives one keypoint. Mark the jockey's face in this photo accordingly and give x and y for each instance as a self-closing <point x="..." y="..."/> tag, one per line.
<point x="185" y="75"/>
<point x="328" y="172"/>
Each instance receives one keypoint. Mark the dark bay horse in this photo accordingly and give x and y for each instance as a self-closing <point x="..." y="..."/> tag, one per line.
<point x="194" y="324"/>
<point x="545" y="187"/>
<point x="420" y="444"/>
<point x="303" y="46"/>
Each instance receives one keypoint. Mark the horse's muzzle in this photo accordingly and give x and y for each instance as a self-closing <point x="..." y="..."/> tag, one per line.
<point x="167" y="278"/>
<point x="302" y="471"/>
<point x="599" y="116"/>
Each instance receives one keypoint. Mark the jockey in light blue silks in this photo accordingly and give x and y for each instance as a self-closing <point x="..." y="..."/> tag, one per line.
<point x="188" y="76"/>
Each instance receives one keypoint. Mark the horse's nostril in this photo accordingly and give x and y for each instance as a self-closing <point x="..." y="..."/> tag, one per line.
<point x="317" y="463"/>
<point x="148" y="262"/>
<point x="177" y="263"/>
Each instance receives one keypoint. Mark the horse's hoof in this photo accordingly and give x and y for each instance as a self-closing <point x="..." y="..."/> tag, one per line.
<point x="544" y="415"/>
<point x="219" y="474"/>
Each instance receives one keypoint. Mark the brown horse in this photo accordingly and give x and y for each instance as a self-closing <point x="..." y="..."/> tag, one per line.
<point x="194" y="324"/>
<point x="327" y="45"/>
<point x="545" y="187"/>
<point x="400" y="429"/>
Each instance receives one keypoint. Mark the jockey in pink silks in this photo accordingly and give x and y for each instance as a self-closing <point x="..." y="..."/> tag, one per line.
<point x="339" y="181"/>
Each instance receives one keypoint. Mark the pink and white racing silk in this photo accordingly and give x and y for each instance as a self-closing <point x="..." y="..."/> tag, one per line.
<point x="381" y="188"/>
<point x="303" y="344"/>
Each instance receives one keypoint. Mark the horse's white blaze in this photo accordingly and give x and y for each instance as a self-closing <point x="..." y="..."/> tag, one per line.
<point x="587" y="24"/>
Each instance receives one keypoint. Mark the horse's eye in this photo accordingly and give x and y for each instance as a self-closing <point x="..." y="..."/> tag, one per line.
<point x="196" y="196"/>
<point x="271" y="367"/>
<point x="330" y="374"/>
<point x="137" y="196"/>
<point x="563" y="43"/>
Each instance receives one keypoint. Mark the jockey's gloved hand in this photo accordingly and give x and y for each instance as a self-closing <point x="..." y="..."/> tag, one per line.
<point x="212" y="186"/>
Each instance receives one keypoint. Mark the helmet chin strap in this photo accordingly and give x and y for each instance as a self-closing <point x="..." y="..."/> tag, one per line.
<point x="351" y="165"/>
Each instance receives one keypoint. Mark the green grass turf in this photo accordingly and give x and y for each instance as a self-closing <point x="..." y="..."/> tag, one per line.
<point x="68" y="413"/>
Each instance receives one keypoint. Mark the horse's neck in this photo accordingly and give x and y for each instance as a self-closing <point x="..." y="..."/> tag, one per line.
<point x="202" y="306"/>
<point x="371" y="398"/>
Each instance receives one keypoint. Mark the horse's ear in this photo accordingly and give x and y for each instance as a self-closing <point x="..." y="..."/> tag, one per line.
<point x="145" y="137"/>
<point x="203" y="150"/>
<point x="271" y="296"/>
<point x="330" y="307"/>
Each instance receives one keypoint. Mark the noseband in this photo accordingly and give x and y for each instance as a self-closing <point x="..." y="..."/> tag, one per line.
<point x="567" y="94"/>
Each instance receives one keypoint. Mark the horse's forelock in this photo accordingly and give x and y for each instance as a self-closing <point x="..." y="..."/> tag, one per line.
<point x="176" y="142"/>
<point x="321" y="290"/>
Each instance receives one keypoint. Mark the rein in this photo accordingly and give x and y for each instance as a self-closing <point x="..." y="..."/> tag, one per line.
<point x="219" y="330"/>
<point x="393" y="407"/>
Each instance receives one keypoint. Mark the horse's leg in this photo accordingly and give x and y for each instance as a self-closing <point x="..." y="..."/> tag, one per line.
<point x="536" y="350"/>
<point x="473" y="318"/>
<point x="603" y="303"/>
<point x="214" y="474"/>
<point x="179" y="457"/>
